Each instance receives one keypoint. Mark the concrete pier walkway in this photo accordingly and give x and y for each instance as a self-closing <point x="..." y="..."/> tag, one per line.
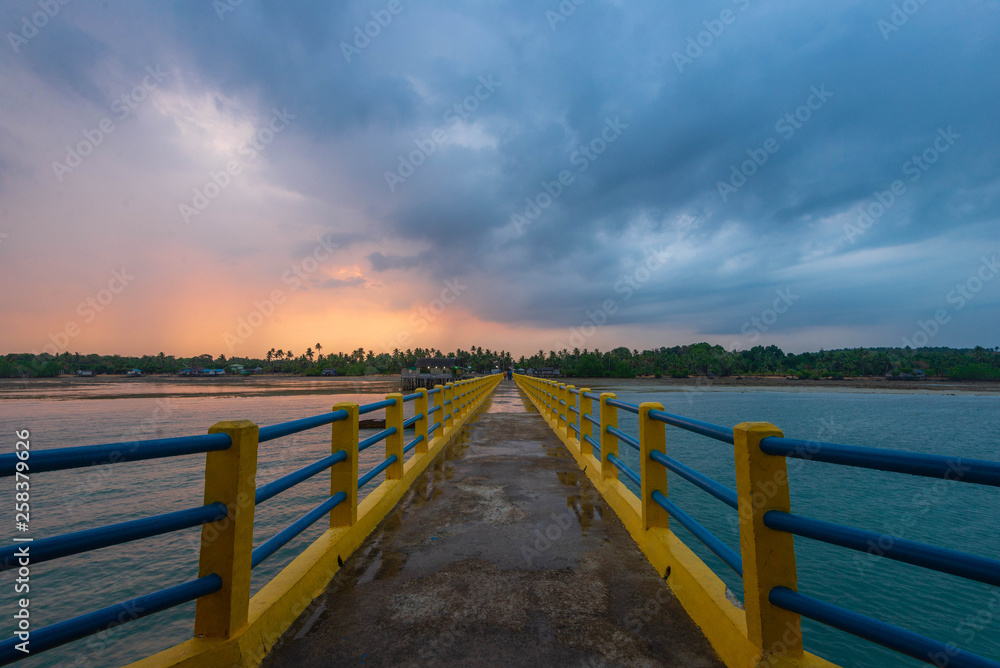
<point x="502" y="554"/>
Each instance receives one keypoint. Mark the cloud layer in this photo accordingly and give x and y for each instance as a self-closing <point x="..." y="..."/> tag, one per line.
<point x="672" y="167"/>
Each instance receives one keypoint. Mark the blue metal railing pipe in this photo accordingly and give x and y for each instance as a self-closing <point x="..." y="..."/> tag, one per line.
<point x="430" y="430"/>
<point x="293" y="427"/>
<point x="939" y="559"/>
<point x="623" y="437"/>
<point x="625" y="470"/>
<point x="412" y="444"/>
<point x="431" y="410"/>
<point x="410" y="397"/>
<point x="376" y="406"/>
<point x="718" y="548"/>
<point x="46" y="549"/>
<point x="960" y="469"/>
<point x="372" y="440"/>
<point x="594" y="444"/>
<point x="624" y="405"/>
<point x="718" y="490"/>
<point x="58" y="459"/>
<point x="272" y="545"/>
<point x="275" y="487"/>
<point x="412" y="421"/>
<point x="590" y="418"/>
<point x="383" y="465"/>
<point x="696" y="426"/>
<point x="905" y="642"/>
<point x="67" y="631"/>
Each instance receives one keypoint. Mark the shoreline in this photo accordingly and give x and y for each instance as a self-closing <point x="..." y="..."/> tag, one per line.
<point x="155" y="386"/>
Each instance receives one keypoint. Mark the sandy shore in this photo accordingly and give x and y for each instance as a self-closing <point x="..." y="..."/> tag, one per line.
<point x="110" y="387"/>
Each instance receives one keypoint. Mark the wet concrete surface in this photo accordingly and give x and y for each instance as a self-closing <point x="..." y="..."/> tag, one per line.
<point x="502" y="554"/>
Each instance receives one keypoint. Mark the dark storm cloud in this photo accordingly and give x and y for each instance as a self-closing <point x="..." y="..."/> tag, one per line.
<point x="874" y="100"/>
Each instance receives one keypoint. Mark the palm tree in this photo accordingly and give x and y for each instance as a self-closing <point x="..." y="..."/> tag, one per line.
<point x="319" y="349"/>
<point x="309" y="354"/>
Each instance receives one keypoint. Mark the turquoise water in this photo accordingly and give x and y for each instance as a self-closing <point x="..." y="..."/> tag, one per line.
<point x="950" y="514"/>
<point x="944" y="513"/>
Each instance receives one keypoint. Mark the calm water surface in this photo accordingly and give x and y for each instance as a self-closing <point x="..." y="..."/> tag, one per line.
<point x="943" y="513"/>
<point x="950" y="514"/>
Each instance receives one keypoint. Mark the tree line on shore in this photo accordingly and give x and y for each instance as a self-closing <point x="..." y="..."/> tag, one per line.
<point x="678" y="362"/>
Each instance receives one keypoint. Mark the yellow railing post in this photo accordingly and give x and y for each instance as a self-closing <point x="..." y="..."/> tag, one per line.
<point x="652" y="436"/>
<point x="768" y="556"/>
<point x="570" y="401"/>
<point x="586" y="427"/>
<point x="344" y="476"/>
<point x="394" y="442"/>
<point x="226" y="546"/>
<point x="609" y="442"/>
<point x="562" y="407"/>
<point x="420" y="426"/>
<point x="439" y="413"/>
<point x="449" y="409"/>
<point x="555" y="405"/>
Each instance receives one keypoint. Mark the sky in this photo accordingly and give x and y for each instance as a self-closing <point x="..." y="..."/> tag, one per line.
<point x="233" y="176"/>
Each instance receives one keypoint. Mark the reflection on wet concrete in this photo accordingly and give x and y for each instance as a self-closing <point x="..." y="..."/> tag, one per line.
<point x="482" y="563"/>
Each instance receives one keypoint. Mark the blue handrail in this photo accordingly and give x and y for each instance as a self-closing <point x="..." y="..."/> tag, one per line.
<point x="436" y="425"/>
<point x="372" y="440"/>
<point x="624" y="405"/>
<point x="590" y="418"/>
<point x="411" y="397"/>
<point x="59" y="459"/>
<point x="939" y="559"/>
<point x="275" y="487"/>
<point x="906" y="642"/>
<point x="720" y="549"/>
<point x="383" y="465"/>
<point x="412" y="444"/>
<point x="294" y="426"/>
<point x="431" y="410"/>
<point x="46" y="549"/>
<point x="378" y="405"/>
<point x="719" y="491"/>
<point x="412" y="421"/>
<point x="625" y="470"/>
<point x="696" y="426"/>
<point x="594" y="444"/>
<point x="269" y="547"/>
<point x="623" y="437"/>
<point x="959" y="469"/>
<point x="434" y="391"/>
<point x="82" y="626"/>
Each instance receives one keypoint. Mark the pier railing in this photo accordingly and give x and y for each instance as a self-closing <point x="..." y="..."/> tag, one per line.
<point x="767" y="631"/>
<point x="230" y="627"/>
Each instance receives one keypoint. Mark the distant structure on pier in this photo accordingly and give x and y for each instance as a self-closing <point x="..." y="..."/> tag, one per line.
<point x="430" y="371"/>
